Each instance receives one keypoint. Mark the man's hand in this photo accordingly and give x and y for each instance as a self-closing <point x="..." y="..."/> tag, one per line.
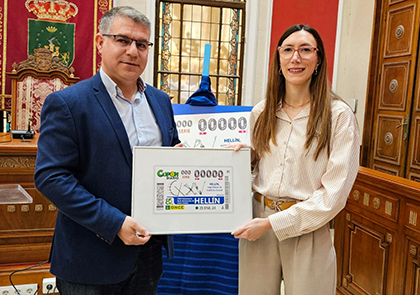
<point x="252" y="230"/>
<point x="133" y="233"/>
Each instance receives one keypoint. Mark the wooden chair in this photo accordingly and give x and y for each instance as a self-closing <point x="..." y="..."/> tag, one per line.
<point x="32" y="80"/>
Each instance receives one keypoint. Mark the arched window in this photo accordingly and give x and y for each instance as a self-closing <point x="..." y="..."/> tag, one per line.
<point x="183" y="27"/>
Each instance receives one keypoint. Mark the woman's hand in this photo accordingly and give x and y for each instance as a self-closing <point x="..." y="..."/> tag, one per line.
<point x="237" y="146"/>
<point x="252" y="230"/>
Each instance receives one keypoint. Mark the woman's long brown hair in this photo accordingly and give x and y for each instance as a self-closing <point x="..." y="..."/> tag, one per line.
<point x="319" y="123"/>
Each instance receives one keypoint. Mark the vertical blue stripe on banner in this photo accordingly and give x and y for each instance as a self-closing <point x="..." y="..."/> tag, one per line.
<point x="204" y="263"/>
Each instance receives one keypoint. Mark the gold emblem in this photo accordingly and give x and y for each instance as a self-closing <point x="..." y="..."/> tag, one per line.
<point x="51" y="29"/>
<point x="58" y="10"/>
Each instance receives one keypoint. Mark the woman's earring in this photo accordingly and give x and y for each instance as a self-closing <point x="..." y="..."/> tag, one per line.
<point x="280" y="72"/>
<point x="316" y="72"/>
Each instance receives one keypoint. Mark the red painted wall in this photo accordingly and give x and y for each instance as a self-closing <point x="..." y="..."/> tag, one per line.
<point x="321" y="15"/>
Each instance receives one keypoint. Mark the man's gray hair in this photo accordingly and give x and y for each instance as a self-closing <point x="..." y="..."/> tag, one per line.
<point x="122" y="11"/>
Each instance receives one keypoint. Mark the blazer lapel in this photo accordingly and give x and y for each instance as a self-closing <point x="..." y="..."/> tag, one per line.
<point x="114" y="118"/>
<point x="157" y="111"/>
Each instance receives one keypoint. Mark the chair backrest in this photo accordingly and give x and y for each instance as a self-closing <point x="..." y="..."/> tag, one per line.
<point x="32" y="80"/>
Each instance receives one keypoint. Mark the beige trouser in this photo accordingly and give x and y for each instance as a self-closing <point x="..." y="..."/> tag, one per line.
<point x="306" y="264"/>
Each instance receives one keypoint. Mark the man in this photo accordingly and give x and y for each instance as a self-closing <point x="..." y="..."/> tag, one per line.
<point x="84" y="165"/>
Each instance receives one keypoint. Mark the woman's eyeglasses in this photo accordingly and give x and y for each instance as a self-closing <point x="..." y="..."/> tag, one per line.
<point x="305" y="52"/>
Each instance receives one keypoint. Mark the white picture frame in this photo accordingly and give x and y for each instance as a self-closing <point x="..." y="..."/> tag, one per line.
<point x="209" y="203"/>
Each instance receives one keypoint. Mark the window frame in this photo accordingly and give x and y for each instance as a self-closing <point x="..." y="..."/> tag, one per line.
<point x="222" y="4"/>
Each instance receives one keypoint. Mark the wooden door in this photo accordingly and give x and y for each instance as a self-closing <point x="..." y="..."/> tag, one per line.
<point x="395" y="80"/>
<point x="413" y="162"/>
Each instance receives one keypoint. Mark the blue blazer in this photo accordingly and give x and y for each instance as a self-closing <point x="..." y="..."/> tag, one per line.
<point x="84" y="166"/>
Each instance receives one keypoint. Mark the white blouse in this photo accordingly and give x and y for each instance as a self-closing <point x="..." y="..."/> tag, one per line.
<point x="290" y="172"/>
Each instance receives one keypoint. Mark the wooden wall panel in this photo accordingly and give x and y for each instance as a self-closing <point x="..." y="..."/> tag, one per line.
<point x="394" y="86"/>
<point x="412" y="284"/>
<point x="377" y="236"/>
<point x="400" y="31"/>
<point x="374" y="253"/>
<point x="388" y="146"/>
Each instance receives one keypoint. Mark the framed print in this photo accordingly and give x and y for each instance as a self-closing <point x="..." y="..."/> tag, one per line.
<point x="191" y="190"/>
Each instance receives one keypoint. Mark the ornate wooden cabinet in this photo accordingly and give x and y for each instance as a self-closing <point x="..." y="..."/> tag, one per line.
<point x="26" y="230"/>
<point x="377" y="236"/>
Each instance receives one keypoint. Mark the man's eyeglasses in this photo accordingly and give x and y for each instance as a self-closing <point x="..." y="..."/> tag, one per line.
<point x="305" y="52"/>
<point x="124" y="42"/>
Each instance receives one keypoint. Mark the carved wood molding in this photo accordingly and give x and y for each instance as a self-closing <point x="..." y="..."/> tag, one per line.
<point x="43" y="60"/>
<point x="376" y="202"/>
<point x="390" y="183"/>
<point x="17" y="162"/>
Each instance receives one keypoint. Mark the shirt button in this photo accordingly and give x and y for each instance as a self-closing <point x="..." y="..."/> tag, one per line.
<point x="284" y="142"/>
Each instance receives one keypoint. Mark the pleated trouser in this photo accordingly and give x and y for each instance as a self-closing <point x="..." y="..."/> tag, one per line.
<point x="306" y="264"/>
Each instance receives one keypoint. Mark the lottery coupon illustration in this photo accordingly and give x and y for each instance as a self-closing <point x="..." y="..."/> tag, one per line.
<point x="213" y="130"/>
<point x="199" y="189"/>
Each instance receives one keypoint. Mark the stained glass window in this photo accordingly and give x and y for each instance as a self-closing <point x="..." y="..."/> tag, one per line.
<point x="184" y="29"/>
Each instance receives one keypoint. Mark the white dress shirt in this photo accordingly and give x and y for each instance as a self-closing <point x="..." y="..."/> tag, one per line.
<point x="289" y="171"/>
<point x="137" y="116"/>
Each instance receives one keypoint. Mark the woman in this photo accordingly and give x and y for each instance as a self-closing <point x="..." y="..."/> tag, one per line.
<point x="305" y="156"/>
